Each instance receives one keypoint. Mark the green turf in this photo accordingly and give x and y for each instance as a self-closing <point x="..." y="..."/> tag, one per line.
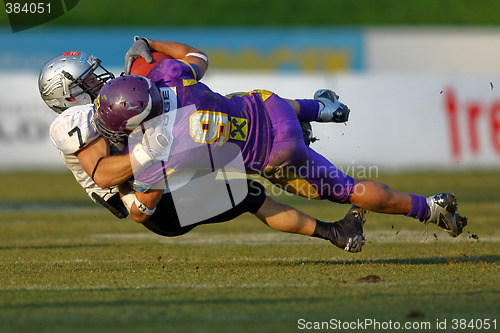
<point x="77" y="269"/>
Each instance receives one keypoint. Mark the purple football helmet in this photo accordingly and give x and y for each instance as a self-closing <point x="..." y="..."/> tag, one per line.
<point x="123" y="104"/>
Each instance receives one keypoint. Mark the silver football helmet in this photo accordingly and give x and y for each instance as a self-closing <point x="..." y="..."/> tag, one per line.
<point x="72" y="78"/>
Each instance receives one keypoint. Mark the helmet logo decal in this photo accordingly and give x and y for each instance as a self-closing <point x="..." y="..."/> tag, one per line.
<point x="98" y="102"/>
<point x="82" y="59"/>
<point x="135" y="121"/>
<point x="52" y="84"/>
<point x="71" y="54"/>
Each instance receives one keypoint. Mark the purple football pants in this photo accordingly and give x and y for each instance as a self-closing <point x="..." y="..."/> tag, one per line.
<point x="294" y="166"/>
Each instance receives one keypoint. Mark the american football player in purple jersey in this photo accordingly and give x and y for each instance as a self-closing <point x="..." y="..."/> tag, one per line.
<point x="266" y="129"/>
<point x="69" y="84"/>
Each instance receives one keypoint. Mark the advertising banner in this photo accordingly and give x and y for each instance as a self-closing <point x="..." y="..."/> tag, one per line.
<point x="396" y="121"/>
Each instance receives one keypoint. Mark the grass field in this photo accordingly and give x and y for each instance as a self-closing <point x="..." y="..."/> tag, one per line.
<point x="69" y="266"/>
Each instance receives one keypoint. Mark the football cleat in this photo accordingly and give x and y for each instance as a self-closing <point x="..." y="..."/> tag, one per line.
<point x="332" y="110"/>
<point x="443" y="212"/>
<point x="349" y="231"/>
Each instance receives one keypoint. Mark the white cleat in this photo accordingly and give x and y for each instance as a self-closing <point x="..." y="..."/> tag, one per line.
<point x="443" y="212"/>
<point x="331" y="109"/>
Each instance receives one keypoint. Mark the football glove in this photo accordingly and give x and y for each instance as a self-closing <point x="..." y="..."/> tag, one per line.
<point x="155" y="141"/>
<point x="140" y="48"/>
<point x="154" y="145"/>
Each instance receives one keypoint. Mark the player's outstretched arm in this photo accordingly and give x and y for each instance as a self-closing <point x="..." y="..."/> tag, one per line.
<point x="142" y="47"/>
<point x="182" y="51"/>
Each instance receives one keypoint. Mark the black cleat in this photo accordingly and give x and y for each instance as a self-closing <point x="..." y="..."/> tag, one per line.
<point x="307" y="132"/>
<point x="348" y="232"/>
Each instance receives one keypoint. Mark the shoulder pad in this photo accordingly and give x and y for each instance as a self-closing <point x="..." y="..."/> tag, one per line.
<point x="72" y="129"/>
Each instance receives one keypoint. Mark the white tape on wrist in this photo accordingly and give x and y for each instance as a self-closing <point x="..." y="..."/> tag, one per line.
<point x="128" y="200"/>
<point x="197" y="55"/>
<point x="141" y="156"/>
<point x="143" y="208"/>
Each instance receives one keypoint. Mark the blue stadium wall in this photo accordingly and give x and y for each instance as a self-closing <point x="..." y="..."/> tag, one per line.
<point x="284" y="50"/>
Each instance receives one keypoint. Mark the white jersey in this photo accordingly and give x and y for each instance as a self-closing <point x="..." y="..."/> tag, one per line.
<point x="71" y="131"/>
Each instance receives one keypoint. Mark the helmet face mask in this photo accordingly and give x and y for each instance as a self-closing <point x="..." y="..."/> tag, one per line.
<point x="115" y="136"/>
<point x="90" y="82"/>
<point x="123" y="104"/>
<point x="70" y="79"/>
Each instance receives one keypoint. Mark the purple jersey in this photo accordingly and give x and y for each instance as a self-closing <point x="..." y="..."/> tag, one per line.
<point x="205" y="118"/>
<point x="209" y="131"/>
<point x="238" y="119"/>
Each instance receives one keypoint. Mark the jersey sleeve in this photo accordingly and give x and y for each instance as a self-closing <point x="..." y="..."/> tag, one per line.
<point x="174" y="68"/>
<point x="72" y="130"/>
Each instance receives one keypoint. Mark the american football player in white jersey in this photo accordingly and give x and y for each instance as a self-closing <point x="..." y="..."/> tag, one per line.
<point x="68" y="84"/>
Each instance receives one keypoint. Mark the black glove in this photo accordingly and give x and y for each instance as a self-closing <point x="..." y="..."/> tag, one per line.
<point x="140" y="48"/>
